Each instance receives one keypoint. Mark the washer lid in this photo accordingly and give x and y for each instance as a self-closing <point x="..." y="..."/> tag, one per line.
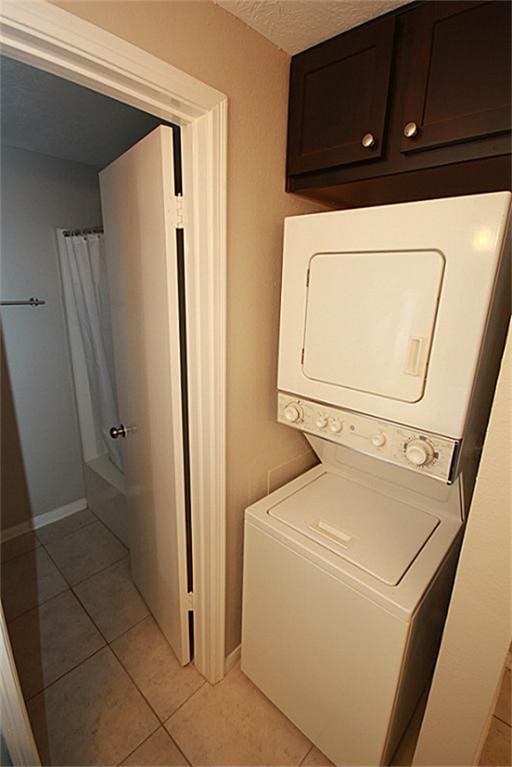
<point x="373" y="531"/>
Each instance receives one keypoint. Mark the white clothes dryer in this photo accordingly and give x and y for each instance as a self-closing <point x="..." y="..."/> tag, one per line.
<point x="392" y="323"/>
<point x="385" y="310"/>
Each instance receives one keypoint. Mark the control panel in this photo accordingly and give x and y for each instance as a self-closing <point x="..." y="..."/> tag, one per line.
<point x="428" y="453"/>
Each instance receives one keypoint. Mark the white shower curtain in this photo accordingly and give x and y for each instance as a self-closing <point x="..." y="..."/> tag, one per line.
<point x="90" y="289"/>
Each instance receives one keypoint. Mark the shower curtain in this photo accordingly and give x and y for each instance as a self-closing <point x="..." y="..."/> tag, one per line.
<point x="90" y="289"/>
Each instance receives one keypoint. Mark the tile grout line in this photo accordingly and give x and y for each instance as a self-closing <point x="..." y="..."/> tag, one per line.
<point x="37" y="605"/>
<point x="205" y="681"/>
<point x="158" y="718"/>
<point x="10" y="621"/>
<point x="108" y="528"/>
<point x="162" y="722"/>
<point x="71" y="585"/>
<point x="65" y="535"/>
<point x="123" y="633"/>
<point x="140" y="744"/>
<point x="21" y="554"/>
<point x="39" y="542"/>
<point x="161" y="727"/>
<point x="92" y="575"/>
<point x="60" y="676"/>
<point x="69" y="671"/>
<point x="106" y="642"/>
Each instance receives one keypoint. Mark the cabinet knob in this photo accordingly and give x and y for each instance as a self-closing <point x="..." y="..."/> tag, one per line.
<point x="410" y="130"/>
<point x="368" y="141"/>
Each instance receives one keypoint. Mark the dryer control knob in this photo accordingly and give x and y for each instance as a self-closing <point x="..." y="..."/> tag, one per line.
<point x="335" y="425"/>
<point x="379" y="439"/>
<point x="321" y="421"/>
<point x="419" y="452"/>
<point x="293" y="413"/>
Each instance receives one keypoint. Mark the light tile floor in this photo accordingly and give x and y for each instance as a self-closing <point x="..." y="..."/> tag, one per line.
<point x="101" y="683"/>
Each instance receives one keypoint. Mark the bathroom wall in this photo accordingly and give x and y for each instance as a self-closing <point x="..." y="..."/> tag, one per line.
<point x="41" y="462"/>
<point x="205" y="41"/>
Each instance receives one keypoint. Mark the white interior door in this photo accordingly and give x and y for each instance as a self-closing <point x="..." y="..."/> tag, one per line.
<point x="140" y="241"/>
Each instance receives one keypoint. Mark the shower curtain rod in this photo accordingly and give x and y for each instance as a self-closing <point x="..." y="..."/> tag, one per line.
<point x="29" y="302"/>
<point x="75" y="232"/>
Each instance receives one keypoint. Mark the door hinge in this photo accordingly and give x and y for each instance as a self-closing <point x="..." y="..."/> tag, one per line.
<point x="179" y="211"/>
<point x="189" y="601"/>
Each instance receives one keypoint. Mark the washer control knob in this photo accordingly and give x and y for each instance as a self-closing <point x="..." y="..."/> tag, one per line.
<point x="419" y="452"/>
<point x="321" y="421"/>
<point x="293" y="413"/>
<point x="335" y="425"/>
<point x="378" y="440"/>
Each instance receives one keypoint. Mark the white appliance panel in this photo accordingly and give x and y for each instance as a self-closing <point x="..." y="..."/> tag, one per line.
<point x="469" y="232"/>
<point x="375" y="532"/>
<point x="315" y="648"/>
<point x="316" y="629"/>
<point x="425" y="454"/>
<point x="382" y="306"/>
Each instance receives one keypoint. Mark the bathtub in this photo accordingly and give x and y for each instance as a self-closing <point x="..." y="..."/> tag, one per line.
<point x="106" y="496"/>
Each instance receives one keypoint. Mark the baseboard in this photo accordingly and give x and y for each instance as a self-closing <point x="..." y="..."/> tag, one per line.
<point x="40" y="520"/>
<point x="232" y="659"/>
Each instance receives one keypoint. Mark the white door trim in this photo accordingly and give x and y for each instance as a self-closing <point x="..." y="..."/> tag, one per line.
<point x="16" y="729"/>
<point x="54" y="40"/>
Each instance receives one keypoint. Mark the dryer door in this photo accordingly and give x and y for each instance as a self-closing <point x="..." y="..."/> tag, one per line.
<point x="369" y="320"/>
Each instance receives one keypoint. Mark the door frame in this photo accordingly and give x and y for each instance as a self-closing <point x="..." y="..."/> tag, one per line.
<point x="16" y="729"/>
<point x="54" y="40"/>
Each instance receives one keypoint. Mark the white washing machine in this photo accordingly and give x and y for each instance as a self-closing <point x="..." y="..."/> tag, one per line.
<point x="392" y="324"/>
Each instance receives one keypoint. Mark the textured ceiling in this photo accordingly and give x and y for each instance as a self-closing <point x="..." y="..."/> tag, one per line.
<point x="46" y="114"/>
<point x="295" y="25"/>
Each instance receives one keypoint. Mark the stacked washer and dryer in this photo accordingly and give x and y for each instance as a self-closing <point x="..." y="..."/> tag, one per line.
<point x="392" y="325"/>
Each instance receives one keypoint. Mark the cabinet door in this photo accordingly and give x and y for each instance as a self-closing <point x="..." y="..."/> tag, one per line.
<point x="458" y="89"/>
<point x="339" y="93"/>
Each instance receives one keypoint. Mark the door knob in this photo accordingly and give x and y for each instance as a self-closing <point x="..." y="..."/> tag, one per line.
<point x="118" y="431"/>
<point x="411" y="130"/>
<point x="368" y="141"/>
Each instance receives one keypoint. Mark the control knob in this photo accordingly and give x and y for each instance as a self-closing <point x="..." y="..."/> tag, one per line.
<point x="419" y="452"/>
<point x="335" y="425"/>
<point x="379" y="440"/>
<point x="293" y="413"/>
<point x="321" y="421"/>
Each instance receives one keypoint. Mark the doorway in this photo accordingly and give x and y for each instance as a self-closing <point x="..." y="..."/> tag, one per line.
<point x="57" y="42"/>
<point x="66" y="573"/>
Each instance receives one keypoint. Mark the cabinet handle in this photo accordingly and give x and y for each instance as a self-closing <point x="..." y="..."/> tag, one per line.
<point x="368" y="141"/>
<point x="410" y="130"/>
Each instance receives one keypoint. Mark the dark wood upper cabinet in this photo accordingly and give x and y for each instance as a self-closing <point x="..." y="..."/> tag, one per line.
<point x="430" y="81"/>
<point x="458" y="89"/>
<point x="338" y="95"/>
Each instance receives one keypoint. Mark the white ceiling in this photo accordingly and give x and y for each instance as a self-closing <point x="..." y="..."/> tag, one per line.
<point x="44" y="113"/>
<point x="295" y="25"/>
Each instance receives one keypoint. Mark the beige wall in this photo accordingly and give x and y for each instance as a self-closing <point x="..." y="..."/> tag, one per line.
<point x="205" y="41"/>
<point x="479" y="624"/>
